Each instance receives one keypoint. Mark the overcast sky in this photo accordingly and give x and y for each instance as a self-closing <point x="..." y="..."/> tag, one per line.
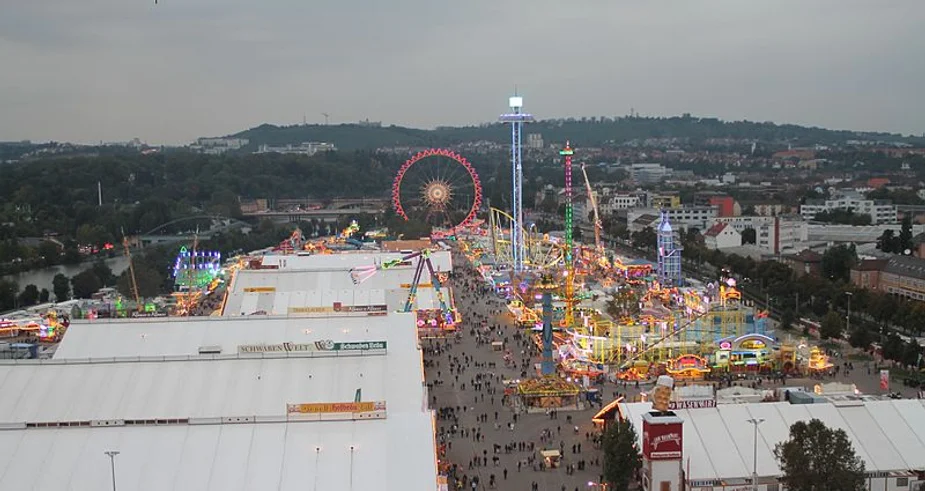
<point x="90" y="70"/>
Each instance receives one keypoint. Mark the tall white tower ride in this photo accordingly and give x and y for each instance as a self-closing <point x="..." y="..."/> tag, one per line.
<point x="517" y="118"/>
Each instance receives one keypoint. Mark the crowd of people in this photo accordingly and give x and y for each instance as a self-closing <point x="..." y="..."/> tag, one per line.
<point x="488" y="442"/>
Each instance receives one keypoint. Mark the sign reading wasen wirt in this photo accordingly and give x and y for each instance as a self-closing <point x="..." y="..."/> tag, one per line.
<point x="325" y="345"/>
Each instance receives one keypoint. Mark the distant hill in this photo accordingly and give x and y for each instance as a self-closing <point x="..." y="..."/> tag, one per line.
<point x="586" y="132"/>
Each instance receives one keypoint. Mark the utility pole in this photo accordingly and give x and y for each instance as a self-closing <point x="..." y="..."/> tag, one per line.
<point x="112" y="464"/>
<point x="848" y="317"/>
<point x="756" y="422"/>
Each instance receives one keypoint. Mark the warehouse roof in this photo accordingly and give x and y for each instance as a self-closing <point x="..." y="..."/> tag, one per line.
<point x="887" y="435"/>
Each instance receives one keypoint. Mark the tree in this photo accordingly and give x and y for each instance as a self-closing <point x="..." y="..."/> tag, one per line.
<point x="8" y="289"/>
<point x="888" y="242"/>
<point x="905" y="235"/>
<point x="749" y="236"/>
<point x="786" y="320"/>
<point x="645" y="238"/>
<point x="817" y="458"/>
<point x="837" y="262"/>
<point x="103" y="272"/>
<point x="832" y="326"/>
<point x="148" y="279"/>
<point x="621" y="455"/>
<point x="44" y="295"/>
<point x="61" y="286"/>
<point x="85" y="284"/>
<point x="860" y="337"/>
<point x="29" y="296"/>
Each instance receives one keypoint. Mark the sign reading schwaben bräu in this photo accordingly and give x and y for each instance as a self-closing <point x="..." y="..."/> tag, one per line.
<point x="326" y="345"/>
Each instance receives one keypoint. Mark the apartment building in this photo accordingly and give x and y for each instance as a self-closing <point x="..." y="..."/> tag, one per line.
<point x="880" y="210"/>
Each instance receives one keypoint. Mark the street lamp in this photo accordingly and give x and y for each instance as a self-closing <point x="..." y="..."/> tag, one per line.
<point x="112" y="465"/>
<point x="756" y="422"/>
<point x="848" y="317"/>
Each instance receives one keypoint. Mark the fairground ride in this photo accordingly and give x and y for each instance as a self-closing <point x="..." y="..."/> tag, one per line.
<point x="598" y="225"/>
<point x="195" y="274"/>
<point x="439" y="187"/>
<point x="429" y="321"/>
<point x="542" y="252"/>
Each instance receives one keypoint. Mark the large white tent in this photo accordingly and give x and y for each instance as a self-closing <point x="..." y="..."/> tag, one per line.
<point x="182" y="420"/>
<point x="888" y="435"/>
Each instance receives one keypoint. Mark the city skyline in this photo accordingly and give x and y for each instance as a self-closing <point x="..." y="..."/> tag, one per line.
<point x="168" y="73"/>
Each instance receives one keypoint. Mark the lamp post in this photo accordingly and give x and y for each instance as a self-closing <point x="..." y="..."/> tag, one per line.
<point x="112" y="465"/>
<point x="756" y="422"/>
<point x="848" y="317"/>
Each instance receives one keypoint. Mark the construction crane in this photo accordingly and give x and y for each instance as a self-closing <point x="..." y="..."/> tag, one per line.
<point x="131" y="270"/>
<point x="598" y="226"/>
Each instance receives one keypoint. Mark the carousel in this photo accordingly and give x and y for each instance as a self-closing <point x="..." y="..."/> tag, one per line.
<point x="548" y="393"/>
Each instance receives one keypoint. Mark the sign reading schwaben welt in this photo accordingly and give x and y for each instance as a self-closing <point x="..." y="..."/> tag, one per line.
<point x="325" y="345"/>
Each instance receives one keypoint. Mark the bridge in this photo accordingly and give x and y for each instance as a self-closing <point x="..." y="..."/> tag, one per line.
<point x="328" y="216"/>
<point x="158" y="234"/>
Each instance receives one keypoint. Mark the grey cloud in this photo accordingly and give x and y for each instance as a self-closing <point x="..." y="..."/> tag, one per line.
<point x="115" y="69"/>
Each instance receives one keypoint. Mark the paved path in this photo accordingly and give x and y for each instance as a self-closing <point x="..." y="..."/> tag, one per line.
<point x="485" y="403"/>
<point x="452" y="370"/>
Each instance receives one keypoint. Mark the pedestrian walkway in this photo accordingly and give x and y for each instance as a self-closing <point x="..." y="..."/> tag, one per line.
<point x="492" y="447"/>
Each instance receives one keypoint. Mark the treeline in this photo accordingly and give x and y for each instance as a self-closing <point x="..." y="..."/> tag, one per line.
<point x="587" y="132"/>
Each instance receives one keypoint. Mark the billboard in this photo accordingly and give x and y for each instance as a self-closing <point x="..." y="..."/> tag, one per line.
<point x="661" y="441"/>
<point x="335" y="407"/>
<point x="884" y="380"/>
<point x="324" y="345"/>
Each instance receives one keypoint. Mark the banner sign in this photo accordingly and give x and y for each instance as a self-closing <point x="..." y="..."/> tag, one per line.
<point x="884" y="380"/>
<point x="661" y="441"/>
<point x="338" y="307"/>
<point x="310" y="310"/>
<point x="325" y="345"/>
<point x="260" y="289"/>
<point x="335" y="407"/>
<point x="691" y="404"/>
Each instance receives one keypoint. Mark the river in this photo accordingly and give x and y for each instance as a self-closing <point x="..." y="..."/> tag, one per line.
<point x="42" y="278"/>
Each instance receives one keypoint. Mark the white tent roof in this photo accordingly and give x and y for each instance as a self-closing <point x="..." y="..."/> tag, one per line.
<point x="348" y="259"/>
<point x="243" y="457"/>
<point x="278" y="292"/>
<point x="888" y="435"/>
<point x="173" y="382"/>
<point x="178" y="336"/>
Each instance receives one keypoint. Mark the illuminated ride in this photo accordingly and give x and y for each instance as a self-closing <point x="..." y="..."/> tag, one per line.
<point x="195" y="274"/>
<point x="439" y="187"/>
<point x="541" y="251"/>
<point x="429" y="321"/>
<point x="46" y="328"/>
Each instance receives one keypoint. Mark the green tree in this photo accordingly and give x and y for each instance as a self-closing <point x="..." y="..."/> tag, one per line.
<point x="150" y="282"/>
<point x="832" y="326"/>
<point x="621" y="456"/>
<point x="61" y="286"/>
<point x="888" y="242"/>
<point x="860" y="337"/>
<point x="85" y="284"/>
<point x="645" y="238"/>
<point x="837" y="262"/>
<point x="8" y="290"/>
<point x="44" y="295"/>
<point x="905" y="235"/>
<point x="50" y="252"/>
<point x="818" y="458"/>
<point x="29" y="296"/>
<point x="103" y="272"/>
<point x="786" y="320"/>
<point x="749" y="236"/>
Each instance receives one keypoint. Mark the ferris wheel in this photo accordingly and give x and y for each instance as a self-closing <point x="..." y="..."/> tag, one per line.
<point x="439" y="187"/>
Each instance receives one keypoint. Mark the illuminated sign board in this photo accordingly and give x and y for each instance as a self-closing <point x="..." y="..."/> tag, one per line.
<point x="260" y="289"/>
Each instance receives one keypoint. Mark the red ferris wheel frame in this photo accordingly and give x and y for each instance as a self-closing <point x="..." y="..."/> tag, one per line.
<point x="438" y="152"/>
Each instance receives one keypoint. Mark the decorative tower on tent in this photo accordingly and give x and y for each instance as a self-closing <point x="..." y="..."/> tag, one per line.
<point x="669" y="255"/>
